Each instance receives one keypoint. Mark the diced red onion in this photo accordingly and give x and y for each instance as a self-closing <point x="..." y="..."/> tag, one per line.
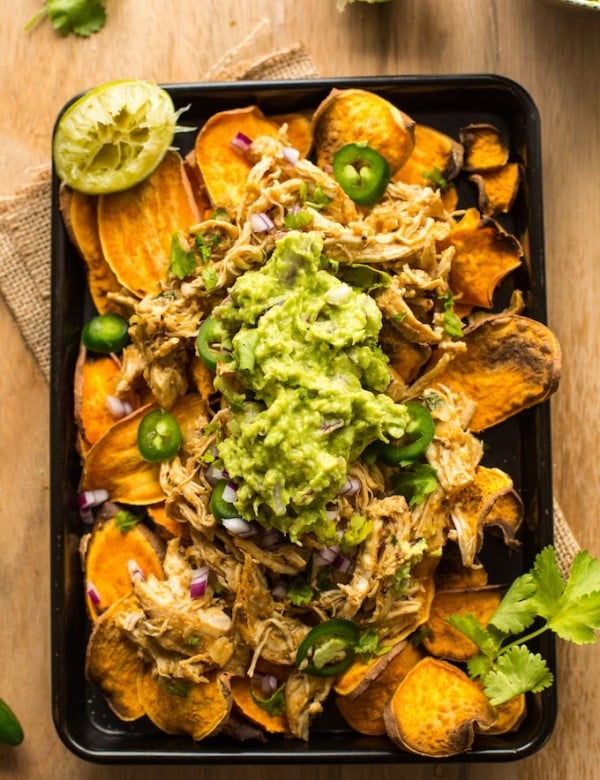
<point x="279" y="590"/>
<point x="351" y="487"/>
<point x="213" y="474"/>
<point x="134" y="570"/>
<point x="291" y="155"/>
<point x="332" y="425"/>
<point x="261" y="222"/>
<point x="270" y="538"/>
<point x="117" y="407"/>
<point x="91" y="498"/>
<point x="239" y="527"/>
<point x="326" y="555"/>
<point x="241" y="141"/>
<point x="199" y="582"/>
<point x="328" y="168"/>
<point x="332" y="514"/>
<point x="268" y="683"/>
<point x="343" y="564"/>
<point x="230" y="493"/>
<point x="93" y="594"/>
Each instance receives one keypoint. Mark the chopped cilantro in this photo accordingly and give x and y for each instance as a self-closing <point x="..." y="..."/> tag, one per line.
<point x="436" y="177"/>
<point x="452" y="323"/>
<point x="368" y="644"/>
<point x="177" y="687"/>
<point x="415" y="483"/>
<point x="274" y="704"/>
<point x="202" y="248"/>
<point x="300" y="593"/>
<point x="210" y="279"/>
<point x="126" y="520"/>
<point x="182" y="260"/>
<point x="297" y="220"/>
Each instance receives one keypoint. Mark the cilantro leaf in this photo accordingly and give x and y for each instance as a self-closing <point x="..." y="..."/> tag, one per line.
<point x="182" y="261"/>
<point x="548" y="581"/>
<point x="300" y="593"/>
<point x="578" y="621"/>
<point x="452" y="323"/>
<point x="516" y="671"/>
<point x="368" y="644"/>
<point x="584" y="577"/>
<point x="79" y="17"/>
<point x="517" y="610"/>
<point x="416" y="483"/>
<point x="487" y="640"/>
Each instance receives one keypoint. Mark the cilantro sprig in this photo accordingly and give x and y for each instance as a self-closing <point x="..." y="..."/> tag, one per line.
<point x="79" y="17"/>
<point x="538" y="601"/>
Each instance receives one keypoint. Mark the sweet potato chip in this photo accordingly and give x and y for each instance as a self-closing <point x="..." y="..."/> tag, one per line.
<point x="299" y="130"/>
<point x="355" y="115"/>
<point x="95" y="382"/>
<point x="112" y="662"/>
<point x="443" y="640"/>
<point x="497" y="189"/>
<point x="470" y="506"/>
<point x="484" y="147"/>
<point x="454" y="575"/>
<point x="108" y="560"/>
<point x="136" y="225"/>
<point x="167" y="527"/>
<point x="509" y="716"/>
<point x="407" y="358"/>
<point x="434" y="710"/>
<point x="505" y="517"/>
<point x="80" y="215"/>
<point x="224" y="169"/>
<point x="359" y="676"/>
<point x="178" y="706"/>
<point x="365" y="712"/>
<point x="511" y="363"/>
<point x="436" y="159"/>
<point x="114" y="463"/>
<point x="484" y="255"/>
<point x="246" y="704"/>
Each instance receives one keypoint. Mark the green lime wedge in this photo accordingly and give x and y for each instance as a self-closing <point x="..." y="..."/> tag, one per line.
<point x="114" y="136"/>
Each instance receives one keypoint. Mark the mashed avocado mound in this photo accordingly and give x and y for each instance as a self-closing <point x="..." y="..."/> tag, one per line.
<point x="306" y="389"/>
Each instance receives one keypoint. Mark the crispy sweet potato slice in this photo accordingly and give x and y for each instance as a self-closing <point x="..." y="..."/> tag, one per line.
<point x="471" y="504"/>
<point x="80" y="215"/>
<point x="353" y="115"/>
<point x="107" y="561"/>
<point x="242" y="698"/>
<point x="484" y="147"/>
<point x="407" y="358"/>
<point x="224" y="169"/>
<point x="136" y="225"/>
<point x="166" y="527"/>
<point x="444" y="641"/>
<point x="509" y="716"/>
<point x="435" y="155"/>
<point x="112" y="662"/>
<point x="497" y="189"/>
<point x="182" y="707"/>
<point x="114" y="463"/>
<point x="484" y="255"/>
<point x="505" y="517"/>
<point x="511" y="363"/>
<point x="364" y="712"/>
<point x="452" y="574"/>
<point x="434" y="710"/>
<point x="95" y="381"/>
<point x="299" y="130"/>
<point x="357" y="678"/>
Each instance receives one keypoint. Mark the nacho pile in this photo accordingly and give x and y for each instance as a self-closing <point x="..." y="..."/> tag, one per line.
<point x="330" y="367"/>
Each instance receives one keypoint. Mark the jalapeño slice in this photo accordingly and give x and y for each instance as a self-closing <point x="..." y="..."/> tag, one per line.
<point x="208" y="342"/>
<point x="419" y="434"/>
<point x="361" y="172"/>
<point x="158" y="436"/>
<point x="106" y="333"/>
<point x="328" y="649"/>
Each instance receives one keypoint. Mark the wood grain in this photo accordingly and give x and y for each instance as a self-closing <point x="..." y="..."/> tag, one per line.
<point x="552" y="53"/>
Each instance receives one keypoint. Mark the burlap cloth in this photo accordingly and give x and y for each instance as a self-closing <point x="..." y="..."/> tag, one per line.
<point x="25" y="254"/>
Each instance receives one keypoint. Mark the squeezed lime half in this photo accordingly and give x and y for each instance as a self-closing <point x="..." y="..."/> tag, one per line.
<point x="114" y="136"/>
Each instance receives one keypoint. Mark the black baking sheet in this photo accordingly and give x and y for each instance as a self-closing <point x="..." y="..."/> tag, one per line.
<point x="520" y="446"/>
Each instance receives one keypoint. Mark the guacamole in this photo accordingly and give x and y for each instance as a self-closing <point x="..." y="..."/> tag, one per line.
<point x="308" y="391"/>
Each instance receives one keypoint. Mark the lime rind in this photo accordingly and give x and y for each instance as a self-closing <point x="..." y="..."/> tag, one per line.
<point x="114" y="136"/>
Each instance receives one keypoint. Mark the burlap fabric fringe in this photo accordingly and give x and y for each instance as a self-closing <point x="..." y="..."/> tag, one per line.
<point x="25" y="241"/>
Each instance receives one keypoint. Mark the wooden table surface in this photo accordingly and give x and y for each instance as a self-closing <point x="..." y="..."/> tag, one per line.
<point x="553" y="53"/>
